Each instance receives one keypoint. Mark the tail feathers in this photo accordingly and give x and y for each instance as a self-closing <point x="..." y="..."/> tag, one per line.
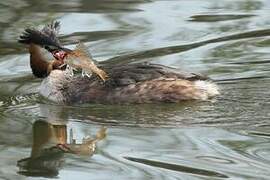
<point x="46" y="38"/>
<point x="208" y="89"/>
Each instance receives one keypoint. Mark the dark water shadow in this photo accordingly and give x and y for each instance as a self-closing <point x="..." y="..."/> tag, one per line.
<point x="176" y="167"/>
<point x="182" y="48"/>
<point x="85" y="6"/>
<point x="219" y="17"/>
<point x="91" y="36"/>
<point x="251" y="62"/>
<point x="235" y="80"/>
<point x="259" y="134"/>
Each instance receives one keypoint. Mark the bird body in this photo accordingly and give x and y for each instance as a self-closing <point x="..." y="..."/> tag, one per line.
<point x="130" y="83"/>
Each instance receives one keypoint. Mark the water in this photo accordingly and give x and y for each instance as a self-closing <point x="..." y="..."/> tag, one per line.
<point x="227" y="138"/>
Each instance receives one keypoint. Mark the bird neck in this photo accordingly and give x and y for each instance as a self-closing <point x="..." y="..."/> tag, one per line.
<point x="40" y="67"/>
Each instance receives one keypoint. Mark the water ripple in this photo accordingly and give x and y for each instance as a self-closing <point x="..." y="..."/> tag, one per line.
<point x="176" y="167"/>
<point x="219" y="17"/>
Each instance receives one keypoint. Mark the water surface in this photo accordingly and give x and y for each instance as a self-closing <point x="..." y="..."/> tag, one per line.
<point x="226" y="138"/>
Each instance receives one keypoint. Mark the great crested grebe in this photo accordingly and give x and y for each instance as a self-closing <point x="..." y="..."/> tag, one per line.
<point x="130" y="83"/>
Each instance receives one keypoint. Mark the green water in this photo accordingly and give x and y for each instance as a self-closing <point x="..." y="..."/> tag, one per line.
<point x="227" y="138"/>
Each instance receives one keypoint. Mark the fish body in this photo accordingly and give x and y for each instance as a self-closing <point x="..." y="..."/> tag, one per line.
<point x="80" y="58"/>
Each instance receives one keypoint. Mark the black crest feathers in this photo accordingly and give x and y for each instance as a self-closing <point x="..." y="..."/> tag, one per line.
<point x="46" y="37"/>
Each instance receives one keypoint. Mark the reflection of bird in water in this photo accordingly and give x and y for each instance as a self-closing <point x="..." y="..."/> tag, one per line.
<point x="49" y="146"/>
<point x="131" y="83"/>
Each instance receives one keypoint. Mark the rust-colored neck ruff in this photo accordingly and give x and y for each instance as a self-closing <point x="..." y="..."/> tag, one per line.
<point x="38" y="63"/>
